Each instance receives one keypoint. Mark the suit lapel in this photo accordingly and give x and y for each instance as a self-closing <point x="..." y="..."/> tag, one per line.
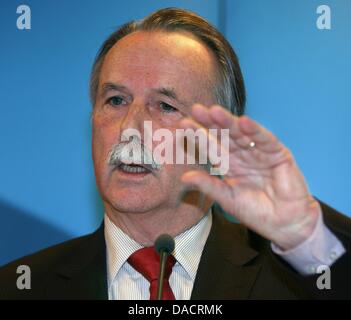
<point x="84" y="276"/>
<point x="224" y="272"/>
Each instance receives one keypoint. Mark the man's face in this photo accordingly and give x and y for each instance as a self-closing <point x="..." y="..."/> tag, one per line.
<point x="147" y="76"/>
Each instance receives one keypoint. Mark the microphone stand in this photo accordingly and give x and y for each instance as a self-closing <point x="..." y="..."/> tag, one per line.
<point x="163" y="259"/>
<point x="164" y="245"/>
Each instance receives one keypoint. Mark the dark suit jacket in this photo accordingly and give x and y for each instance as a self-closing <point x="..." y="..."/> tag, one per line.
<point x="236" y="264"/>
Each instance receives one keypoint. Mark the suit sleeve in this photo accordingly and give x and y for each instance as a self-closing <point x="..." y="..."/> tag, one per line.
<point x="333" y="282"/>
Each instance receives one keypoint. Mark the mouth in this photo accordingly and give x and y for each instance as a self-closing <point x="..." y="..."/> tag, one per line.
<point x="134" y="169"/>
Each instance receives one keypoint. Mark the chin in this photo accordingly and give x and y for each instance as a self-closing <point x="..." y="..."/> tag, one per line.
<point x="132" y="201"/>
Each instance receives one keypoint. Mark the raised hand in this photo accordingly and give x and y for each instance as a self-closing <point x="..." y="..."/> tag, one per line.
<point x="264" y="189"/>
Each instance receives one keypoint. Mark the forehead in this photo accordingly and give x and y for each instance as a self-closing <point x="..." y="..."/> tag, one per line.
<point x="149" y="59"/>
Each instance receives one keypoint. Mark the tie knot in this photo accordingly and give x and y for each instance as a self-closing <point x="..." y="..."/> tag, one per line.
<point x="147" y="262"/>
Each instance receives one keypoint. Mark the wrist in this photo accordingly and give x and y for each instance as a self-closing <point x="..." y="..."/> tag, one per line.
<point x="294" y="234"/>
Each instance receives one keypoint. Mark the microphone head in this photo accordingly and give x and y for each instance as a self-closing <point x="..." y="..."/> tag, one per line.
<point x="164" y="243"/>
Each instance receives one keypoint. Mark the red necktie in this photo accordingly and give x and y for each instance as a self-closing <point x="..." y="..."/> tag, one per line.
<point x="147" y="262"/>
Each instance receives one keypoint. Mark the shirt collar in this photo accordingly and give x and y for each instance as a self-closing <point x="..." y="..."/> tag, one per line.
<point x="188" y="246"/>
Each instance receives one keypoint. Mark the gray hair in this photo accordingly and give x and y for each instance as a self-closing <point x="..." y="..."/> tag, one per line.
<point x="229" y="90"/>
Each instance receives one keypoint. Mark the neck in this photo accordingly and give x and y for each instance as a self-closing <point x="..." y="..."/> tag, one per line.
<point x="145" y="227"/>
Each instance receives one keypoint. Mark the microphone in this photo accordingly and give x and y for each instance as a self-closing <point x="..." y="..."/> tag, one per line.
<point x="164" y="245"/>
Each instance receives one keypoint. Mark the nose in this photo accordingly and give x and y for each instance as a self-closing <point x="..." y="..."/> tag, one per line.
<point x="134" y="118"/>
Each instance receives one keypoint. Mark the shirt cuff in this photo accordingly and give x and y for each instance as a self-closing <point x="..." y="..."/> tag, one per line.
<point x="322" y="248"/>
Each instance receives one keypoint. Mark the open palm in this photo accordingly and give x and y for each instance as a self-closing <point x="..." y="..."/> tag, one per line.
<point x="263" y="188"/>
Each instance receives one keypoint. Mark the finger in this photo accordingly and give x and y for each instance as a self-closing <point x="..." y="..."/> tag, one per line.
<point x="267" y="152"/>
<point x="264" y="140"/>
<point x="203" y="116"/>
<point x="225" y="119"/>
<point x="212" y="186"/>
<point x="244" y="130"/>
<point x="243" y="157"/>
<point x="200" y="114"/>
<point x="213" y="144"/>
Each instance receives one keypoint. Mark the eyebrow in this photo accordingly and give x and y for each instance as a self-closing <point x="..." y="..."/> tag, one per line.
<point x="168" y="92"/>
<point x="110" y="86"/>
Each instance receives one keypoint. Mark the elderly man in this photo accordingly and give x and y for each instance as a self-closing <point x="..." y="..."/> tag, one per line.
<point x="174" y="71"/>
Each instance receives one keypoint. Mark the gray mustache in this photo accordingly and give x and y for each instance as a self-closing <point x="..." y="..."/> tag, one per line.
<point x="132" y="152"/>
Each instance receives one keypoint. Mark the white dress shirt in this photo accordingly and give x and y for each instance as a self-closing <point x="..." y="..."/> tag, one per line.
<point x="125" y="283"/>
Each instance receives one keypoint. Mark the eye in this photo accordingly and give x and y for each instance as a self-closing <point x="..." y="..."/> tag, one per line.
<point x="115" y="101"/>
<point x="167" y="108"/>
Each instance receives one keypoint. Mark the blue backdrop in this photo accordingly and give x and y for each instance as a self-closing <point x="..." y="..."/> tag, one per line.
<point x="297" y="79"/>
